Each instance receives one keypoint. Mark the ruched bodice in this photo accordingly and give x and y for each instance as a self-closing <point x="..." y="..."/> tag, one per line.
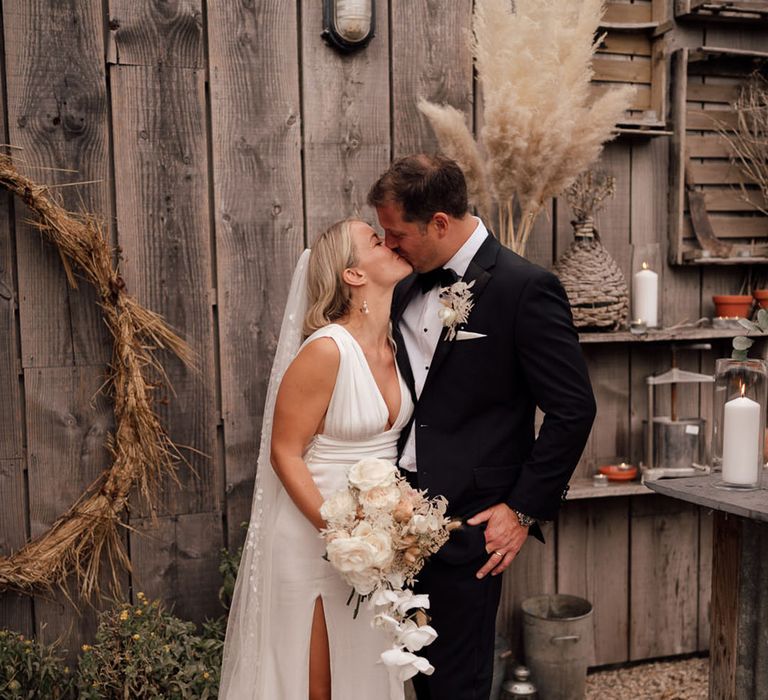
<point x="356" y="421"/>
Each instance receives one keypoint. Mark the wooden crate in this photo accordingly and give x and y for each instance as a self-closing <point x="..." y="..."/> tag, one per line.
<point x="633" y="51"/>
<point x="722" y="10"/>
<point x="705" y="82"/>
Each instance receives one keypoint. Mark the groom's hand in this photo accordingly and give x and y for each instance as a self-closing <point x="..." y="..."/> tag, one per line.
<point x="504" y="536"/>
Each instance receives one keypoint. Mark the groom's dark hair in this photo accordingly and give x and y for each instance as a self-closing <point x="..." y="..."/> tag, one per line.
<point x="422" y="185"/>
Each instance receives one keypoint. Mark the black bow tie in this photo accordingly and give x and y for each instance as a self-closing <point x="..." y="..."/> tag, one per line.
<point x="442" y="276"/>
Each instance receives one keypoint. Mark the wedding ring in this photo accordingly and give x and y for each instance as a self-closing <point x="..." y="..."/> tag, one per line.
<point x="499" y="554"/>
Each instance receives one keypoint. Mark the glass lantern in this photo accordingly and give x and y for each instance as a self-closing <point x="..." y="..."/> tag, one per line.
<point x="646" y="285"/>
<point x="738" y="426"/>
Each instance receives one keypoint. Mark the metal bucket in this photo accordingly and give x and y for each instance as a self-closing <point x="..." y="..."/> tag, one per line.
<point x="559" y="644"/>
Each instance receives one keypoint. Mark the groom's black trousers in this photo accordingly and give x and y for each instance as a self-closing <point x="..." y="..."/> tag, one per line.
<point x="463" y="611"/>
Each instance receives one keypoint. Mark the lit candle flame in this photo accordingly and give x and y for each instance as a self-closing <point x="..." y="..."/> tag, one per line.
<point x="743" y="389"/>
<point x="645" y="266"/>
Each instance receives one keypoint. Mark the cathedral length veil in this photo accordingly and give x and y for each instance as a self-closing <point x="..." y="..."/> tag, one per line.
<point x="247" y="628"/>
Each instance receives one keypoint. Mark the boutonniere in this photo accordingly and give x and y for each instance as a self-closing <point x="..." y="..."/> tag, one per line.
<point x="457" y="303"/>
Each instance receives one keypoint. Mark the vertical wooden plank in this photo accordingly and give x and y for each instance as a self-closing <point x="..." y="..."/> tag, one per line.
<point x="664" y="583"/>
<point x="726" y="561"/>
<point x="58" y="115"/>
<point x="608" y="364"/>
<point x="256" y="151"/>
<point x="345" y="107"/>
<point x="15" y="611"/>
<point x="609" y="373"/>
<point x="430" y="59"/>
<point x="593" y="562"/>
<point x="173" y="558"/>
<point x="163" y="230"/>
<point x="170" y="32"/>
<point x="67" y="425"/>
<point x="531" y="573"/>
<point x="706" y="519"/>
<point x="160" y="132"/>
<point x="678" y="294"/>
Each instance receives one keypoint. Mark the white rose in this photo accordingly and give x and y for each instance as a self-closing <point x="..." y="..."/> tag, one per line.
<point x="350" y="554"/>
<point x="381" y="543"/>
<point x="372" y="472"/>
<point x="362" y="581"/>
<point x="339" y="508"/>
<point x="447" y="316"/>
<point x="362" y="529"/>
<point x="380" y="498"/>
<point x="413" y="637"/>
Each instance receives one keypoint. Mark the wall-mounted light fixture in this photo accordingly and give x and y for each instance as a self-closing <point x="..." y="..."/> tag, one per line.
<point x="348" y="25"/>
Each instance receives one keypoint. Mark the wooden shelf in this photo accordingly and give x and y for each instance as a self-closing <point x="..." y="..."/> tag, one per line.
<point x="747" y="11"/>
<point x="629" y="26"/>
<point x="582" y="488"/>
<point x="736" y="260"/>
<point x="664" y="335"/>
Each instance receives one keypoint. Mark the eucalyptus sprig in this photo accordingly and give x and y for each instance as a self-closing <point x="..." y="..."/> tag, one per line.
<point x="742" y="343"/>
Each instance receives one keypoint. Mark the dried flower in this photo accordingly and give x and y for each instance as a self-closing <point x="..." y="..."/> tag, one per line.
<point x="539" y="129"/>
<point x="749" y="141"/>
<point x="587" y="193"/>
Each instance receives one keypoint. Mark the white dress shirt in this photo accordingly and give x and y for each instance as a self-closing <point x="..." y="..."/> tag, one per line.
<point x="421" y="328"/>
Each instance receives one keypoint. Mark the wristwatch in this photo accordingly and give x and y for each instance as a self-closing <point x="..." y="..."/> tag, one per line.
<point x="523" y="519"/>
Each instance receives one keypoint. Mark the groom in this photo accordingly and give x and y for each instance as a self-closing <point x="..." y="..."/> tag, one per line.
<point x="477" y="385"/>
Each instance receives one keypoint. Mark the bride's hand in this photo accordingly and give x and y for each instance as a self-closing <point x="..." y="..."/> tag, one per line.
<point x="504" y="536"/>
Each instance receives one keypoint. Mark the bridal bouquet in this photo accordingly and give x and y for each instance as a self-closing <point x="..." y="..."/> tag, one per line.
<point x="379" y="532"/>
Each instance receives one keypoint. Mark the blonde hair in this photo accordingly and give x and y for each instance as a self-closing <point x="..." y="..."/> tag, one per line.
<point x="328" y="296"/>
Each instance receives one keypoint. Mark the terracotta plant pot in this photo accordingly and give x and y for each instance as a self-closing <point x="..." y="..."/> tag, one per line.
<point x="733" y="305"/>
<point x="761" y="297"/>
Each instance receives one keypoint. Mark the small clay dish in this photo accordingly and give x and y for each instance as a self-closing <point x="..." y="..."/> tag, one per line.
<point x="616" y="472"/>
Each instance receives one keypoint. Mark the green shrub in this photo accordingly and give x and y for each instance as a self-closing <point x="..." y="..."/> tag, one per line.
<point x="228" y="566"/>
<point x="141" y="651"/>
<point x="31" y="670"/>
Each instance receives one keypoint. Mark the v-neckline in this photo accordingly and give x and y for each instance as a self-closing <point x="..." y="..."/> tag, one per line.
<point x="376" y="384"/>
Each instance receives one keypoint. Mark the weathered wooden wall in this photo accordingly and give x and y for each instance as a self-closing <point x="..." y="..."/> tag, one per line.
<point x="217" y="138"/>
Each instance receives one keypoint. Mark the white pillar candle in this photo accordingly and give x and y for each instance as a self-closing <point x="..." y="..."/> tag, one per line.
<point x="645" y="294"/>
<point x="741" y="435"/>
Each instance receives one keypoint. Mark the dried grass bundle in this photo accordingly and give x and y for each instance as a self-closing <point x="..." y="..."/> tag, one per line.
<point x="588" y="191"/>
<point x="539" y="128"/>
<point x="749" y="140"/>
<point x="141" y="450"/>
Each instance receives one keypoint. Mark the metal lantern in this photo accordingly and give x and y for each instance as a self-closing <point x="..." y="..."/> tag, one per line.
<point x="348" y="25"/>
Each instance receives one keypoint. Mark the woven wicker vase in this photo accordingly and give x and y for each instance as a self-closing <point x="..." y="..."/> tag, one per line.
<point x="594" y="283"/>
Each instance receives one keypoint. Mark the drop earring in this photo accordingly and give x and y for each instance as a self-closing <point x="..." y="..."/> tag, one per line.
<point x="364" y="308"/>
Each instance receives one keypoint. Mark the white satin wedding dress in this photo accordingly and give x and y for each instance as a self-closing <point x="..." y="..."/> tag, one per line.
<point x="355" y="427"/>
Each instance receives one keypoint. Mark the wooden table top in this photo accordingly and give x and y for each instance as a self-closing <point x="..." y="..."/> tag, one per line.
<point x="703" y="491"/>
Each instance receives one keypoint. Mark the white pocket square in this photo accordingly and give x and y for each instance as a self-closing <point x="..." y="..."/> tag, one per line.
<point x="468" y="335"/>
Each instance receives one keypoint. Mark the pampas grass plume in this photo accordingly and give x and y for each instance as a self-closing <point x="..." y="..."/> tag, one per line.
<point x="541" y="127"/>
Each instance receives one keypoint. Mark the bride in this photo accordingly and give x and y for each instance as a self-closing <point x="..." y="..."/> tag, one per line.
<point x="291" y="634"/>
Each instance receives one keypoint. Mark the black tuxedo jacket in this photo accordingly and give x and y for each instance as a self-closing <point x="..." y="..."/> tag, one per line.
<point x="474" y="420"/>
